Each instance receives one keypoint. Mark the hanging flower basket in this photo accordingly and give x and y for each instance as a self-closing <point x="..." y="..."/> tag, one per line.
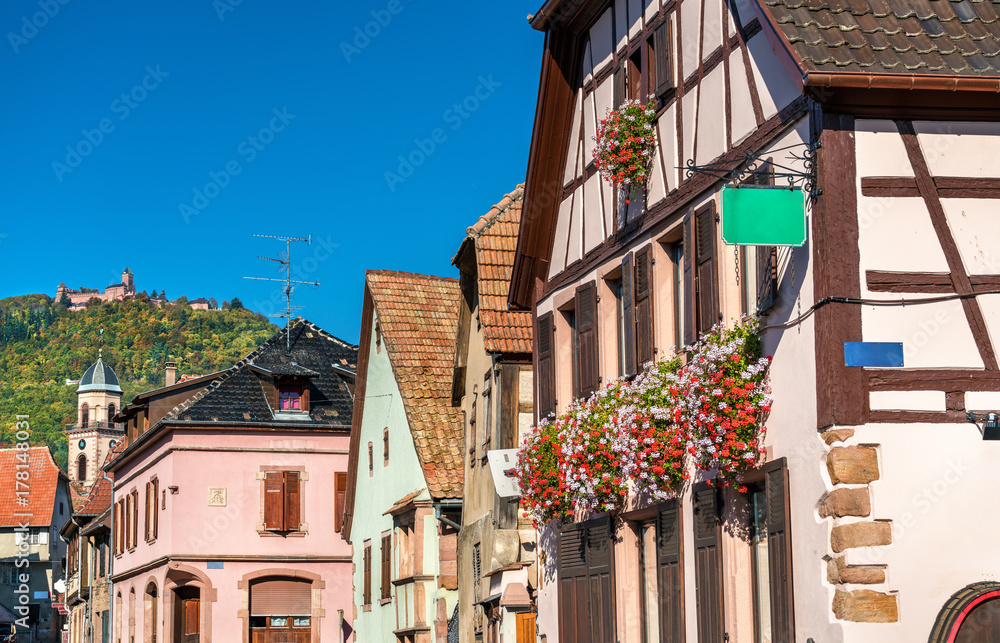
<point x="625" y="143"/>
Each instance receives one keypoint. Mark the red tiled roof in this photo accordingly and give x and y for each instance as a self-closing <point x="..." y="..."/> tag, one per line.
<point x="34" y="507"/>
<point x="99" y="498"/>
<point x="418" y="317"/>
<point x="495" y="236"/>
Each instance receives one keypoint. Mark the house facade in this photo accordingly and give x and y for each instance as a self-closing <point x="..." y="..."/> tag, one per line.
<point x="497" y="570"/>
<point x="867" y="518"/>
<point x="31" y="552"/>
<point x="88" y="571"/>
<point x="225" y="495"/>
<point x="404" y="483"/>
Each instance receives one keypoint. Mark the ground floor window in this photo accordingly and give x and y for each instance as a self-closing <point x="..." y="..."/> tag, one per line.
<point x="280" y="611"/>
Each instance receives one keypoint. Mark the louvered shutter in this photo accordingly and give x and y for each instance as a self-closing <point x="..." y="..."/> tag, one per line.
<point x="708" y="311"/>
<point x="156" y="507"/>
<point x="599" y="581"/>
<point x="628" y="315"/>
<point x="661" y="55"/>
<point x="281" y="597"/>
<point x="586" y="340"/>
<point x="340" y="501"/>
<point x="779" y="551"/>
<point x="619" y="85"/>
<point x="149" y="520"/>
<point x="367" y="590"/>
<point x="573" y="589"/>
<point x="546" y="370"/>
<point x="644" y="306"/>
<point x="670" y="577"/>
<point x="135" y="517"/>
<point x="273" y="501"/>
<point x="386" y="566"/>
<point x="689" y="315"/>
<point x="708" y="581"/>
<point x="291" y="513"/>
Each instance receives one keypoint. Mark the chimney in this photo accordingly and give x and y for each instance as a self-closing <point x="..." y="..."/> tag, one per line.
<point x="171" y="373"/>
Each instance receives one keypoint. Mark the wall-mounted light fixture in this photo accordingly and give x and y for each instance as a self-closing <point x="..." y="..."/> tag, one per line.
<point x="991" y="424"/>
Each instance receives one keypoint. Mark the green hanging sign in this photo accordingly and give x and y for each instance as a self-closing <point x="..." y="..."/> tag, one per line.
<point x="757" y="215"/>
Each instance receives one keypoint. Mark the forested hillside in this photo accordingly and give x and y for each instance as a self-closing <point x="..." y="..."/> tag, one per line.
<point x="42" y="345"/>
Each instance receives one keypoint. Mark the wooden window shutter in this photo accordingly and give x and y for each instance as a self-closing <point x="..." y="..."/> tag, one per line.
<point x="386" y="566"/>
<point x="573" y="585"/>
<point x="779" y="551"/>
<point x="661" y="55"/>
<point x="367" y="596"/>
<point x="628" y="316"/>
<point x="340" y="500"/>
<point x="708" y="310"/>
<point x="600" y="609"/>
<point x="546" y="370"/>
<point x="586" y="340"/>
<point x="281" y="597"/>
<point x="688" y="309"/>
<point x="273" y="501"/>
<point x="291" y="501"/>
<point x="670" y="576"/>
<point x="644" y="306"/>
<point x="619" y="85"/>
<point x="135" y="517"/>
<point x="708" y="573"/>
<point x="510" y="375"/>
<point x="156" y="514"/>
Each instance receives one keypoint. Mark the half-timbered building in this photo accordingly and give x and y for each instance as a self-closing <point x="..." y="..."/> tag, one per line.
<point x="870" y="517"/>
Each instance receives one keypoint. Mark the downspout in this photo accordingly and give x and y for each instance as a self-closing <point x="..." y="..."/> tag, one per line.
<point x="438" y="513"/>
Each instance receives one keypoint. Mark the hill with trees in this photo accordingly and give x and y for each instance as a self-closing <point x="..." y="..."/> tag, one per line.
<point x="42" y="344"/>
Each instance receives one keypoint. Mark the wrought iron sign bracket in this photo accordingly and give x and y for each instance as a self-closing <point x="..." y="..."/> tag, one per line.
<point x="752" y="167"/>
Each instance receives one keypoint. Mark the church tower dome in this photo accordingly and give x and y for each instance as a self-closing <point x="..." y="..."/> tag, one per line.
<point x="99" y="398"/>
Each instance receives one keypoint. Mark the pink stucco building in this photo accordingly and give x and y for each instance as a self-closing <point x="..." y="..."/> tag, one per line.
<point x="225" y="500"/>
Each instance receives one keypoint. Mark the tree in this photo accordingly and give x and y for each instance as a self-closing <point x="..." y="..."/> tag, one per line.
<point x="225" y="305"/>
<point x="213" y="303"/>
<point x="64" y="299"/>
<point x="236" y="304"/>
<point x="153" y="295"/>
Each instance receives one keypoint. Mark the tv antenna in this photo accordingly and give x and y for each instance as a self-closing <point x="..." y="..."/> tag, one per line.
<point x="286" y="261"/>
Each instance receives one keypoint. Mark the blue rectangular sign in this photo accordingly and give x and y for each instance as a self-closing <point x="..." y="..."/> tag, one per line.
<point x="873" y="354"/>
<point x="214" y="564"/>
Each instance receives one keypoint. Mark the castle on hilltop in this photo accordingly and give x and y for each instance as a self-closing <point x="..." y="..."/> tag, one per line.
<point x="77" y="299"/>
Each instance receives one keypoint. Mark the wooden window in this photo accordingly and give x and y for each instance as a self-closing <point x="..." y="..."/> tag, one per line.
<point x="134" y="495"/>
<point x="367" y="589"/>
<point x="148" y="528"/>
<point x="546" y="371"/>
<point x="644" y="349"/>
<point x="585" y="582"/>
<point x="192" y="616"/>
<point x="386" y="566"/>
<point x="487" y="411"/>
<point x="619" y="85"/>
<point x="156" y="514"/>
<point x="127" y="523"/>
<point x="152" y="515"/>
<point x="289" y="400"/>
<point x="340" y="500"/>
<point x="633" y="76"/>
<point x="385" y="447"/>
<point x="81" y="468"/>
<point x="282" y="500"/>
<point x="708" y="572"/>
<point x="587" y="366"/>
<point x="771" y="554"/>
<point x="628" y="316"/>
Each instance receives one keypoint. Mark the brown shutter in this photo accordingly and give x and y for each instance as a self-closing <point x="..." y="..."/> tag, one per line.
<point x="708" y="581"/>
<point x="292" y="517"/>
<point x="191" y="615"/>
<point x="156" y="514"/>
<point x="510" y="375"/>
<point x="628" y="315"/>
<point x="670" y="574"/>
<point x="546" y="370"/>
<point x="386" y="566"/>
<point x="619" y="85"/>
<point x="135" y="517"/>
<point x="586" y="340"/>
<point x="367" y="590"/>
<point x="572" y="584"/>
<point x="689" y="315"/>
<point x="661" y="55"/>
<point x="779" y="551"/>
<point x="340" y="500"/>
<point x="149" y="522"/>
<point x="708" y="311"/>
<point x="644" y="306"/>
<point x="600" y="608"/>
<point x="273" y="505"/>
<point x="282" y="597"/>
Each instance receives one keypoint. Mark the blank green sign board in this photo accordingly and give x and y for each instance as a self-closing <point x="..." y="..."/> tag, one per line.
<point x="763" y="216"/>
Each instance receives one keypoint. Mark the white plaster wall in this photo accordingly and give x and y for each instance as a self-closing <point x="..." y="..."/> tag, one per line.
<point x="690" y="49"/>
<point x="652" y="6"/>
<point x="558" y="262"/>
<point x="573" y="153"/>
<point x="575" y="250"/>
<point x="601" y="41"/>
<point x="712" y="116"/>
<point x="880" y="150"/>
<point x="774" y="86"/>
<point x="589" y="127"/>
<point x="666" y="131"/>
<point x="689" y="105"/>
<point x="621" y="23"/>
<point x="655" y="190"/>
<point x="605" y="95"/>
<point x="976" y="228"/>
<point x="588" y="63"/>
<point x="593" y="213"/>
<point x="634" y="18"/>
<point x="743" y="120"/>
<point x="960" y="149"/>
<point x="714" y="28"/>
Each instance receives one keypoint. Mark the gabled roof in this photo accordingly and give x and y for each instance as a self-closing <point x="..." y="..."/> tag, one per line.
<point x="495" y="239"/>
<point x="98" y="499"/>
<point x="895" y="37"/>
<point x="36" y="506"/>
<point x="418" y="318"/>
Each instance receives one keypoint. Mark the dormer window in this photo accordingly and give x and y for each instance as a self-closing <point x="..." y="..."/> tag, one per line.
<point x="289" y="400"/>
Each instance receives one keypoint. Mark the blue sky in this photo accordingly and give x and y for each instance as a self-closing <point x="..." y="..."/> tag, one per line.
<point x="160" y="135"/>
